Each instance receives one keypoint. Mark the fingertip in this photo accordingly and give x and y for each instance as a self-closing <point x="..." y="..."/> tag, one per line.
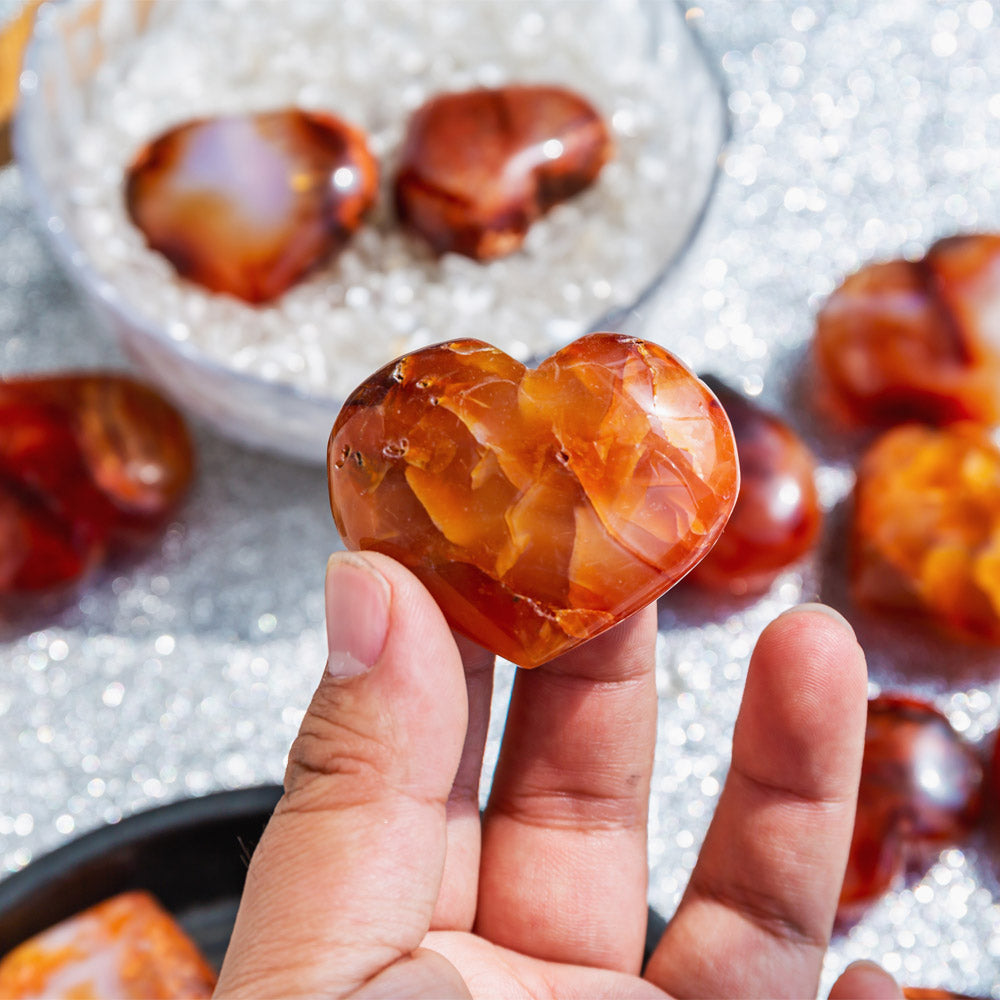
<point x="816" y="608"/>
<point x="811" y="655"/>
<point x="806" y="694"/>
<point x="820" y="626"/>
<point x="865" y="981"/>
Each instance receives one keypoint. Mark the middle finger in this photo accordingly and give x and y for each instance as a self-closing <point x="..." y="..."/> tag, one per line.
<point x="563" y="874"/>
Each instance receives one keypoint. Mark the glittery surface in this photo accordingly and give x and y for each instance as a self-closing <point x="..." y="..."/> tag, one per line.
<point x="860" y="130"/>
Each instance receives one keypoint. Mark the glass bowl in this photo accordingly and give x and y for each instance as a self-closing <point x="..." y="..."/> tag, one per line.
<point x="102" y="77"/>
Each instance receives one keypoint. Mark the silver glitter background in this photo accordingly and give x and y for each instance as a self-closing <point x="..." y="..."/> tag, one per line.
<point x="860" y="130"/>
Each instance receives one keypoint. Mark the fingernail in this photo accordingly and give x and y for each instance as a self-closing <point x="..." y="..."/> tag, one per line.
<point x="357" y="614"/>
<point x="823" y="609"/>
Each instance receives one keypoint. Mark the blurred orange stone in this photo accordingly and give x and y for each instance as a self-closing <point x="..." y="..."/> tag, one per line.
<point x="540" y="506"/>
<point x="920" y="790"/>
<point x="88" y="462"/>
<point x="926" y="530"/>
<point x="477" y="168"/>
<point x="777" y="516"/>
<point x="249" y="204"/>
<point x="916" y="340"/>
<point x="126" y="948"/>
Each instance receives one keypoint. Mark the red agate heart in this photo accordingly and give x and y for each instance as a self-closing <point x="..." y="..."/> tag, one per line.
<point x="539" y="507"/>
<point x="777" y="516"/>
<point x="88" y="463"/>
<point x="476" y="169"/>
<point x="249" y="204"/>
<point x="920" y="790"/>
<point x="915" y="340"/>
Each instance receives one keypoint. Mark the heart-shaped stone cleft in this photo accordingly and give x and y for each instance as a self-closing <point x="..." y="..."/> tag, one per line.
<point x="538" y="506"/>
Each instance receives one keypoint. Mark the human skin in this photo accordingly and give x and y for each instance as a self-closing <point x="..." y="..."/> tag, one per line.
<point x="376" y="876"/>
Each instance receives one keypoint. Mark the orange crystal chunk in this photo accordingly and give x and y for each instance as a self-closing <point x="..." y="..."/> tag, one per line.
<point x="249" y="204"/>
<point x="777" y="516"/>
<point x="476" y="169"/>
<point x="127" y="947"/>
<point x="539" y="507"/>
<point x="926" y="529"/>
<point x="920" y="790"/>
<point x="88" y="463"/>
<point x="916" y="340"/>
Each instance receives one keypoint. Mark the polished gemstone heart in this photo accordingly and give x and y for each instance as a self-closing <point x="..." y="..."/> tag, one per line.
<point x="249" y="204"/>
<point x="777" y="516"/>
<point x="920" y="790"/>
<point x="87" y="463"/>
<point x="539" y="506"/>
<point x="926" y="528"/>
<point x="476" y="169"/>
<point x="916" y="339"/>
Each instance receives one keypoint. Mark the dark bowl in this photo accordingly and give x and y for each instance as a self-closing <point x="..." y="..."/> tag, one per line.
<point x="192" y="855"/>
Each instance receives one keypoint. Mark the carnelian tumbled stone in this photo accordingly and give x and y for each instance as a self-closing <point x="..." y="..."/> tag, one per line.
<point x="476" y="169"/>
<point x="249" y="204"/>
<point x="538" y="506"/>
<point x="921" y="789"/>
<point x="87" y="463"/>
<point x="926" y="528"/>
<point x="127" y="947"/>
<point x="777" y="515"/>
<point x="916" y="340"/>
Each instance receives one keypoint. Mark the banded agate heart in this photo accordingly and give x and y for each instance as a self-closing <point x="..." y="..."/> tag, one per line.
<point x="539" y="507"/>
<point x="477" y="169"/>
<point x="248" y="205"/>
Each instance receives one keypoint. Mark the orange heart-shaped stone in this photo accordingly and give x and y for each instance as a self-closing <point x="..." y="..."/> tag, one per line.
<point x="539" y="507"/>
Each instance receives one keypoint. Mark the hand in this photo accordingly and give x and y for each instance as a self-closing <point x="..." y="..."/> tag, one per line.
<point x="376" y="878"/>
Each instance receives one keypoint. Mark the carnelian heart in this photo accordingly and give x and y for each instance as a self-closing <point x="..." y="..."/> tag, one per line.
<point x="925" y="535"/>
<point x="539" y="507"/>
<point x="476" y="169"/>
<point x="248" y="204"/>
<point x="88" y="463"/>
<point x="920" y="790"/>
<point x="777" y="516"/>
<point x="915" y="340"/>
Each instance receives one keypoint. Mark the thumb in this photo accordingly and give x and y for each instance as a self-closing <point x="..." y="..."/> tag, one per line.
<point x="344" y="880"/>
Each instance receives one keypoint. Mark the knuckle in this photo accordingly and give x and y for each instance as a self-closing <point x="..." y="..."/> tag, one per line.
<point x="335" y="759"/>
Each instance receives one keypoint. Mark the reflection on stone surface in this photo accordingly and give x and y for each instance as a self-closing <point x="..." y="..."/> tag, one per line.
<point x="87" y="463"/>
<point x="926" y="529"/>
<point x="538" y="506"/>
<point x="921" y="789"/>
<point x="127" y="947"/>
<point x="916" y="340"/>
<point x="249" y="204"/>
<point x="478" y="168"/>
<point x="777" y="516"/>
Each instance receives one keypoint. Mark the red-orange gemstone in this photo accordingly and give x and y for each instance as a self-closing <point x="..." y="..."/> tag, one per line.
<point x="539" y="507"/>
<point x="921" y="789"/>
<point x="476" y="169"/>
<point x="926" y="528"/>
<point x="249" y="204"/>
<point x="777" y="515"/>
<point x="127" y="947"/>
<point x="916" y="340"/>
<point x="87" y="463"/>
